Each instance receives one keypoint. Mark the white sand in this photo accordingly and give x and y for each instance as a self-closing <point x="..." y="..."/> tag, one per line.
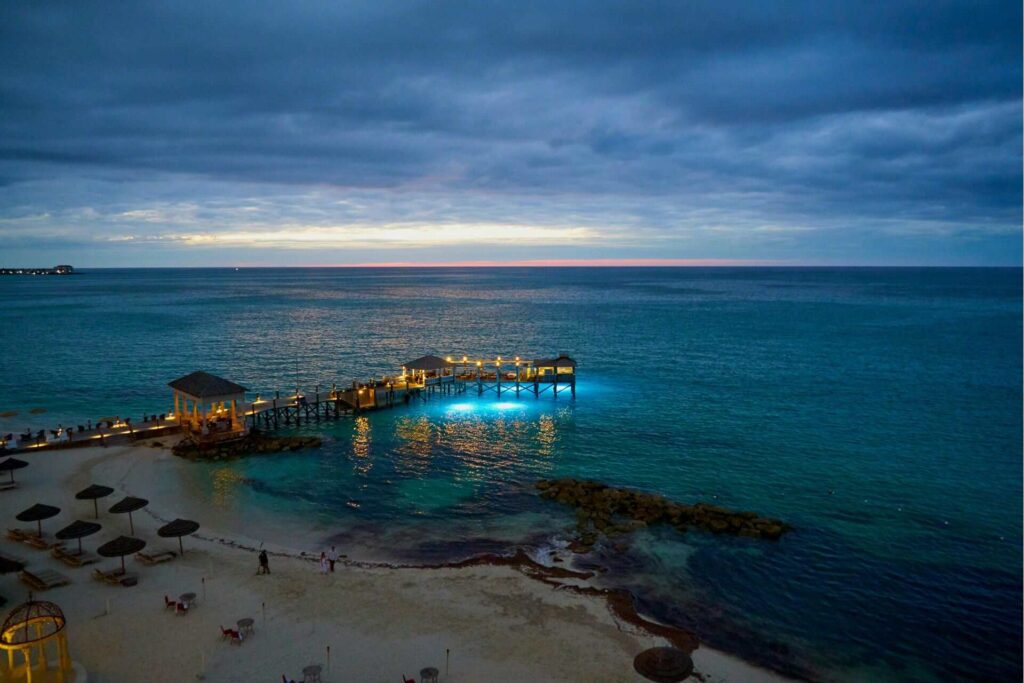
<point x="379" y="623"/>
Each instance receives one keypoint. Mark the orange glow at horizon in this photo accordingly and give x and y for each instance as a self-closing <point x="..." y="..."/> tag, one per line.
<point x="554" y="263"/>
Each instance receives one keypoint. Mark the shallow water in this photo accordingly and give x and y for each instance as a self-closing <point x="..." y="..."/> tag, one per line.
<point x="876" y="410"/>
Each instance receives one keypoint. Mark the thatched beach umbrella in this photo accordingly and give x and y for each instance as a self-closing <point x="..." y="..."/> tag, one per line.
<point x="11" y="464"/>
<point x="121" y="546"/>
<point x="37" y="513"/>
<point x="93" y="493"/>
<point x="129" y="504"/>
<point x="78" y="529"/>
<point x="663" y="664"/>
<point x="8" y="565"/>
<point x="177" y="529"/>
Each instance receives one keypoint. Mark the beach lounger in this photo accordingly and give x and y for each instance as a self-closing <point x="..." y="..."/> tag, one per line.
<point x="18" y="534"/>
<point x="74" y="559"/>
<point x="115" y="577"/>
<point x="44" y="579"/>
<point x="9" y="486"/>
<point x="156" y="558"/>
<point x="41" y="542"/>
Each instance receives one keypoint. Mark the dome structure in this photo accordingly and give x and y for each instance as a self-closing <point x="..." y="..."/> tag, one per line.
<point x="28" y="629"/>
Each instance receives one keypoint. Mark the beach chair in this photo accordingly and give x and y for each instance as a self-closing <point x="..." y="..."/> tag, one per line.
<point x="40" y="542"/>
<point x="230" y="634"/>
<point x="17" y="534"/>
<point x="156" y="558"/>
<point x="9" y="486"/>
<point x="73" y="559"/>
<point x="170" y="604"/>
<point x="43" y="579"/>
<point x="115" y="577"/>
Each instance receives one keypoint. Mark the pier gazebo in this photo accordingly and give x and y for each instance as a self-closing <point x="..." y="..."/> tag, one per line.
<point x="206" y="406"/>
<point x="418" y="371"/>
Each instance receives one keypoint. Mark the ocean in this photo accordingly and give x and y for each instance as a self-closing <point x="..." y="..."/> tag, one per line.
<point x="877" y="411"/>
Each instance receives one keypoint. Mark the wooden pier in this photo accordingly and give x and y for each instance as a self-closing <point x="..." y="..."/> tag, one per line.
<point x="211" y="410"/>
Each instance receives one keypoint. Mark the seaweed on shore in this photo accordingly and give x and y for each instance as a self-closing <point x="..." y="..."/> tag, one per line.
<point x="603" y="510"/>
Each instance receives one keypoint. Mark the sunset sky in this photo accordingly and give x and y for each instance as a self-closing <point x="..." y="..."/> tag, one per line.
<point x="258" y="133"/>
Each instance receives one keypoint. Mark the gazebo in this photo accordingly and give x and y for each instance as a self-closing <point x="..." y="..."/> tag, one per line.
<point x="206" y="406"/>
<point x="417" y="371"/>
<point x="546" y="369"/>
<point x="28" y="630"/>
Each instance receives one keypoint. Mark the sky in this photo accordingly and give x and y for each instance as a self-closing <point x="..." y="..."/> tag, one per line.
<point x="337" y="133"/>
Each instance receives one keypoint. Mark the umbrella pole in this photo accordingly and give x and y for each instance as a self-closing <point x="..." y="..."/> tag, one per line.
<point x="39" y="525"/>
<point x="131" y="524"/>
<point x="181" y="548"/>
<point x="122" y="564"/>
<point x="96" y="507"/>
<point x="79" y="546"/>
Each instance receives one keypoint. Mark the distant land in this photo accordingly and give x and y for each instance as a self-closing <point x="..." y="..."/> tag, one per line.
<point x="56" y="270"/>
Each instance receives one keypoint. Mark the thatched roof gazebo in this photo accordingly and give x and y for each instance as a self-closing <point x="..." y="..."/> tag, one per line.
<point x="207" y="406"/>
<point x="427" y="366"/>
<point x="27" y="631"/>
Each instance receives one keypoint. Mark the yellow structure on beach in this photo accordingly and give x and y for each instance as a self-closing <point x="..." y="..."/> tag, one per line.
<point x="27" y="631"/>
<point x="207" y="407"/>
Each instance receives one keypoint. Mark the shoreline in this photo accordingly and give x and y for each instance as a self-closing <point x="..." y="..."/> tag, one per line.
<point x="563" y="615"/>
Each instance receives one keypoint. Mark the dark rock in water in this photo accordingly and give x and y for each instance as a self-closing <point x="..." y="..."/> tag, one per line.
<point x="608" y="511"/>
<point x="252" y="444"/>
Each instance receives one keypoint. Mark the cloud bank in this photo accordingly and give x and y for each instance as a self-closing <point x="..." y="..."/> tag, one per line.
<point x="268" y="133"/>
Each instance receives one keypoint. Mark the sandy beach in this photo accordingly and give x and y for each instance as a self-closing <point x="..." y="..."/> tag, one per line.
<point x="361" y="623"/>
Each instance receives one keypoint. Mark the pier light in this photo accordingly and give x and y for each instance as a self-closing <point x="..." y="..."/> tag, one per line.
<point x="448" y="359"/>
<point x="499" y="359"/>
<point x="478" y="363"/>
<point x="464" y="359"/>
<point x="517" y="359"/>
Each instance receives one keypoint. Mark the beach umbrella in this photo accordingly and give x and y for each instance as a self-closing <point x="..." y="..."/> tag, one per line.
<point x="11" y="464"/>
<point x="37" y="513"/>
<point x="93" y="493"/>
<point x="78" y="530"/>
<point x="8" y="565"/>
<point x="177" y="529"/>
<point x="129" y="504"/>
<point x="663" y="664"/>
<point x="121" y="546"/>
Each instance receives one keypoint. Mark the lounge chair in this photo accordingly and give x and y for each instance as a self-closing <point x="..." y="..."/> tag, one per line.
<point x="8" y="486"/>
<point x="73" y="559"/>
<point x="17" y="534"/>
<point x="231" y="634"/>
<point x="44" y="579"/>
<point x="170" y="604"/>
<point x="40" y="542"/>
<point x="115" y="577"/>
<point x="156" y="558"/>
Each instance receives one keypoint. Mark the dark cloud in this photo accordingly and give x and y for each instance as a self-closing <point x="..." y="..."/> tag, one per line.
<point x="807" y="114"/>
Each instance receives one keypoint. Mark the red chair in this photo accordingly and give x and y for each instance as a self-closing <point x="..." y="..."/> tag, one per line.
<point x="170" y="604"/>
<point x="407" y="680"/>
<point x="181" y="608"/>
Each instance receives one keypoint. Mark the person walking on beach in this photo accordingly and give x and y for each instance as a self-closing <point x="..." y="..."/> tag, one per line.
<point x="264" y="563"/>
<point x="323" y="563"/>
<point x="332" y="557"/>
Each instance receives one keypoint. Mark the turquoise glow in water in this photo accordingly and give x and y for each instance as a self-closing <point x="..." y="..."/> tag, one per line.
<point x="877" y="410"/>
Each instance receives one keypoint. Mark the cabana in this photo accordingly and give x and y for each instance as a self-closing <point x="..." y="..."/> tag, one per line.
<point x="28" y="630"/>
<point x="425" y="368"/>
<point x="546" y="369"/>
<point x="206" y="406"/>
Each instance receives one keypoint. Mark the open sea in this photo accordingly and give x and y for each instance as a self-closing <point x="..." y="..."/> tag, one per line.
<point x="878" y="411"/>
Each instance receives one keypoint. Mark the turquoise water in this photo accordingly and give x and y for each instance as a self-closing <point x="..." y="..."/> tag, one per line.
<point x="876" y="410"/>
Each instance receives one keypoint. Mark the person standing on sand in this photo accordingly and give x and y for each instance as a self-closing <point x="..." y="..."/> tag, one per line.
<point x="332" y="557"/>
<point x="323" y="563"/>
<point x="264" y="563"/>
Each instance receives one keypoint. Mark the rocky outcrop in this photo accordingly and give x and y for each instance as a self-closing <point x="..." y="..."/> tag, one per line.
<point x="255" y="443"/>
<point x="602" y="510"/>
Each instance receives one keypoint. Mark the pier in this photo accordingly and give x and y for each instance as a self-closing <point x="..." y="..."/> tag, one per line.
<point x="210" y="410"/>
